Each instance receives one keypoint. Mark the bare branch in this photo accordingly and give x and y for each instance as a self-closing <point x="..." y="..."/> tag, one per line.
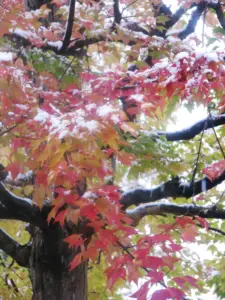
<point x="173" y="188"/>
<point x="20" y="253"/>
<point x="167" y="208"/>
<point x="69" y="26"/>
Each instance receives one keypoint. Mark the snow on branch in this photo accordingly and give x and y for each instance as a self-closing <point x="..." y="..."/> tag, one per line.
<point x="19" y="253"/>
<point x="173" y="188"/>
<point x="18" y="208"/>
<point x="190" y="28"/>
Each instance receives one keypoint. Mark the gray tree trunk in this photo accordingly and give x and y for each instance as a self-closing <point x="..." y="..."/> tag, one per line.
<point x="49" y="264"/>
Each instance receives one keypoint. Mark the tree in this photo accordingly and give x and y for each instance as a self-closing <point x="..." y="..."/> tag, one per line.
<point x="87" y="89"/>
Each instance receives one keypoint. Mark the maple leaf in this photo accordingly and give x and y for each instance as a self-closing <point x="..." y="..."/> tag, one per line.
<point x="215" y="170"/>
<point x="74" y="240"/>
<point x="113" y="274"/>
<point x="15" y="168"/>
<point x="126" y="158"/>
<point x="181" y="281"/>
<point x="169" y="293"/>
<point x="152" y="262"/>
<point x="142" y="293"/>
<point x="184" y="221"/>
<point x="155" y="276"/>
<point x="203" y="222"/>
<point x="189" y="233"/>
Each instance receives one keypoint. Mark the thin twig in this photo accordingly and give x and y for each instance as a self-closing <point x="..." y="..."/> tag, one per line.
<point x="67" y="68"/>
<point x="213" y="229"/>
<point x="198" y="156"/>
<point x="218" y="141"/>
<point x="203" y="27"/>
<point x="7" y="130"/>
<point x="126" y="7"/>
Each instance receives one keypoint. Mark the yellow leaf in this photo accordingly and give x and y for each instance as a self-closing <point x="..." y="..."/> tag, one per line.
<point x="39" y="195"/>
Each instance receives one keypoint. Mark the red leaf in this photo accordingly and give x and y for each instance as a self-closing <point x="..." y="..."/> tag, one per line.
<point x="203" y="222"/>
<point x="14" y="168"/>
<point x="183" y="221"/>
<point x="152" y="262"/>
<point x="215" y="170"/>
<point x="191" y="280"/>
<point x="61" y="216"/>
<point x="158" y="238"/>
<point x="181" y="281"/>
<point x="155" y="276"/>
<point x="175" y="247"/>
<point x="75" y="262"/>
<point x="176" y="293"/>
<point x="189" y="233"/>
<point x="41" y="177"/>
<point x="74" y="240"/>
<point x="161" y="295"/>
<point x="113" y="274"/>
<point x="169" y="293"/>
<point x="142" y="293"/>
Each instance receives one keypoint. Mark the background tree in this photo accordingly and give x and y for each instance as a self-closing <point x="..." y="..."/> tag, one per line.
<point x="87" y="89"/>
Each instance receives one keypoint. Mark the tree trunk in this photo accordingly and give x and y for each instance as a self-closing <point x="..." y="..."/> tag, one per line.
<point x="49" y="264"/>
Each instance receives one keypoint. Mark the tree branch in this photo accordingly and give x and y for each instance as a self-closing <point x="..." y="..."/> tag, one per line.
<point x="173" y="188"/>
<point x="20" y="253"/>
<point x="190" y="28"/>
<point x="163" y="10"/>
<point x="190" y="132"/>
<point x="17" y="208"/>
<point x="117" y="13"/>
<point x="167" y="208"/>
<point x="219" y="12"/>
<point x="213" y="229"/>
<point x="76" y="46"/>
<point x="69" y="26"/>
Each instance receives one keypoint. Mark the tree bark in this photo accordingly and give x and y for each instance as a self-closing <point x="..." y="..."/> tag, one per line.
<point x="49" y="268"/>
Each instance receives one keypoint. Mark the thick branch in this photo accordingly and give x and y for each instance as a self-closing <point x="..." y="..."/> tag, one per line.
<point x="17" y="208"/>
<point x="173" y="188"/>
<point x="19" y="253"/>
<point x="117" y="13"/>
<point x="190" y="132"/>
<point x="166" y="208"/>
<point x="163" y="10"/>
<point x="69" y="26"/>
<point x="219" y="12"/>
<point x="190" y="28"/>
